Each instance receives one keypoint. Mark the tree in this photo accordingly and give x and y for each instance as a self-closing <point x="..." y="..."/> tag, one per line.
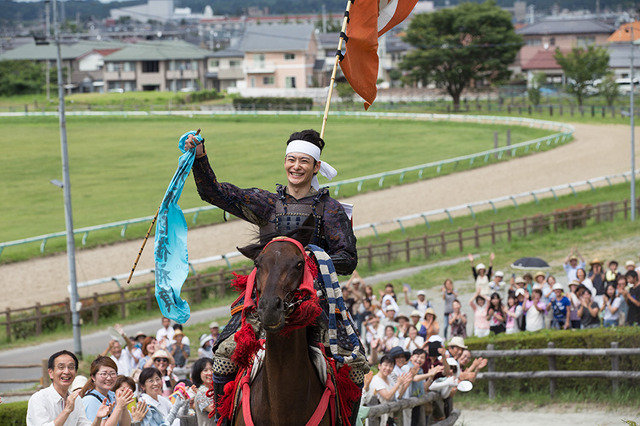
<point x="21" y="78"/>
<point x="455" y="46"/>
<point x="609" y="89"/>
<point x="581" y="67"/>
<point x="534" y="88"/>
<point x="345" y="92"/>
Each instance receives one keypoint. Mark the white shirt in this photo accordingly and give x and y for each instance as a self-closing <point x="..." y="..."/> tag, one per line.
<point x="125" y="363"/>
<point x="163" y="405"/>
<point x="47" y="404"/>
<point x="165" y="333"/>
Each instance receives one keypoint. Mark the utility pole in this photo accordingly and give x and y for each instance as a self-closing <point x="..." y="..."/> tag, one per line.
<point x="47" y="32"/>
<point x="66" y="187"/>
<point x="633" y="143"/>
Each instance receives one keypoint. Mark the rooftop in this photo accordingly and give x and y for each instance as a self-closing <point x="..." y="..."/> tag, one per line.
<point x="566" y="26"/>
<point x="277" y="38"/>
<point x="158" y="51"/>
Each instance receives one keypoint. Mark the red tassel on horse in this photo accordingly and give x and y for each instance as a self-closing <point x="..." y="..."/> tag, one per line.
<point x="247" y="345"/>
<point x="239" y="283"/>
<point x="348" y="392"/>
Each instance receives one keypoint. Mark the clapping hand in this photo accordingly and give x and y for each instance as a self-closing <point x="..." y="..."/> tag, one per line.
<point x="139" y="411"/>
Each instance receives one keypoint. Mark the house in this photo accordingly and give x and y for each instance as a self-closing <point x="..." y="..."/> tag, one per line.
<point x="564" y="34"/>
<point x="279" y="56"/>
<point x="155" y="65"/>
<point x="225" y="70"/>
<point x="84" y="59"/>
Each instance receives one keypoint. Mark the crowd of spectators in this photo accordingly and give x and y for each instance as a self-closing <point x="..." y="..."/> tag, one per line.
<point x="138" y="380"/>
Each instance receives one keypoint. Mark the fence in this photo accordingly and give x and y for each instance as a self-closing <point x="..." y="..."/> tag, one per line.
<point x="552" y="374"/>
<point x="426" y="245"/>
<point x="564" y="135"/>
<point x="34" y="320"/>
<point x="197" y="287"/>
<point x="400" y="222"/>
<point x="425" y="403"/>
<point x="42" y="382"/>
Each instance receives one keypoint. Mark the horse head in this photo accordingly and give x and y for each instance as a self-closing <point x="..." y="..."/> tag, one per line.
<point x="279" y="272"/>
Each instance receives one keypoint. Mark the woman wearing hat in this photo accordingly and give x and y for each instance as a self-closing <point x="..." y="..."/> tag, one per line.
<point x="481" y="275"/>
<point x="163" y="362"/>
<point x="429" y="326"/>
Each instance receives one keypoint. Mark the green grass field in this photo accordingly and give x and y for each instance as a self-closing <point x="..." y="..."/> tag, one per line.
<point x="120" y="167"/>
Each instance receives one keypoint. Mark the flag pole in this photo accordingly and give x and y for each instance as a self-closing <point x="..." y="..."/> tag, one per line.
<point x="335" y="66"/>
<point x="146" y="237"/>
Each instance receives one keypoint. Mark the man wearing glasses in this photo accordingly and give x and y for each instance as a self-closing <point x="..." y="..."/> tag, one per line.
<point x="55" y="405"/>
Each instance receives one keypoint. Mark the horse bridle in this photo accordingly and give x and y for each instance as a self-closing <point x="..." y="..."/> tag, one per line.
<point x="292" y="300"/>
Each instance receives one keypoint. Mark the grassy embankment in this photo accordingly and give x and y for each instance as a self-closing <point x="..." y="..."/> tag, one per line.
<point x="120" y="167"/>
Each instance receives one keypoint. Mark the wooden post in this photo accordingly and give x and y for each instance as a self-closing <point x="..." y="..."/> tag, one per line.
<point x="626" y="209"/>
<point x="123" y="304"/>
<point x="96" y="309"/>
<point x="555" y="222"/>
<point x="67" y="316"/>
<point x="149" y="297"/>
<point x="8" y="317"/>
<point x="426" y="246"/>
<point x="492" y="368"/>
<point x="460" y="242"/>
<point x="407" y="250"/>
<point x="524" y="227"/>
<point x="495" y="143"/>
<point x="370" y="256"/>
<point x="615" y="366"/>
<point x="509" y="230"/>
<point x="45" y="381"/>
<point x="389" y="251"/>
<point x="598" y="213"/>
<point x="476" y="236"/>
<point x="493" y="233"/>
<point x="552" y="367"/>
<point x="38" y="319"/>
<point x="513" y="153"/>
<point x="443" y="242"/>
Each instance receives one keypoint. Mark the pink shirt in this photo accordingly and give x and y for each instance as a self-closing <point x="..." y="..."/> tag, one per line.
<point x="480" y="317"/>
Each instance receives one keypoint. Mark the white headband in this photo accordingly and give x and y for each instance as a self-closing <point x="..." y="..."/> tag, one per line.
<point x="308" y="148"/>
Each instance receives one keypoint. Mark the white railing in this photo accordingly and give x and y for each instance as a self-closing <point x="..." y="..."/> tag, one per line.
<point x="587" y="184"/>
<point x="564" y="135"/>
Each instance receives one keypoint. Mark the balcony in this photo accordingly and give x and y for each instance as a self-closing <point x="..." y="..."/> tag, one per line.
<point x="260" y="67"/>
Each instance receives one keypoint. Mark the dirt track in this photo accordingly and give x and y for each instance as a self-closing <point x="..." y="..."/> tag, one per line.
<point x="598" y="150"/>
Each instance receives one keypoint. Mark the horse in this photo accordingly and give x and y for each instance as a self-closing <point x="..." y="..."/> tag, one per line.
<point x="287" y="389"/>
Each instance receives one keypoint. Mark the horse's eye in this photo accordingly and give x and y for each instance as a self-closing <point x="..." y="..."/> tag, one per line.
<point x="255" y="263"/>
<point x="300" y="265"/>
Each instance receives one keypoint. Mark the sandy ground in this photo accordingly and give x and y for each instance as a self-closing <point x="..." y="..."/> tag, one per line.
<point x="568" y="415"/>
<point x="598" y="150"/>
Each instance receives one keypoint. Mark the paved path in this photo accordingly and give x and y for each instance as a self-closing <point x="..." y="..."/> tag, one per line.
<point x="597" y="151"/>
<point x="549" y="415"/>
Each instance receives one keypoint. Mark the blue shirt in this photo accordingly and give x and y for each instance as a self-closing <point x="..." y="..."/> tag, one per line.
<point x="92" y="401"/>
<point x="560" y="308"/>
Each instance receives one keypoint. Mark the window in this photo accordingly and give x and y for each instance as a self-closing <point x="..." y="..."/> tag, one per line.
<point x="552" y="41"/>
<point x="234" y="64"/>
<point x="534" y="42"/>
<point x="150" y="66"/>
<point x="253" y="82"/>
<point x="258" y="57"/>
<point x="214" y="63"/>
<point x="586" y="41"/>
<point x="289" y="56"/>
<point x="290" y="82"/>
<point x="268" y="80"/>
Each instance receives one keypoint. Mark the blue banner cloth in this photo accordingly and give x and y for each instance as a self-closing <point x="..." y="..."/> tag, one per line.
<point x="170" y="248"/>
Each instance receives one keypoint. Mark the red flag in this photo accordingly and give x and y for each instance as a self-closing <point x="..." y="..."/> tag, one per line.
<point x="368" y="20"/>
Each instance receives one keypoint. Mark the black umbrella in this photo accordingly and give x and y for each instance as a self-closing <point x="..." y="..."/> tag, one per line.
<point x="530" y="263"/>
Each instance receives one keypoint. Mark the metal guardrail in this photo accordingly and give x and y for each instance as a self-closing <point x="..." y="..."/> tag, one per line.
<point x="566" y="131"/>
<point x="399" y="221"/>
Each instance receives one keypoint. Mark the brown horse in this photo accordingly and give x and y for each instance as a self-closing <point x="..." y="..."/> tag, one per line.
<point x="287" y="389"/>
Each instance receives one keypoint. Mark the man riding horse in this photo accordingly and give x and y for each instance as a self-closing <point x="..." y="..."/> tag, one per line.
<point x="278" y="214"/>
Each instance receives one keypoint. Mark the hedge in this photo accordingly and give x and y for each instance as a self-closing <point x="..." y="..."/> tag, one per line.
<point x="272" y="103"/>
<point x="13" y="413"/>
<point x="627" y="337"/>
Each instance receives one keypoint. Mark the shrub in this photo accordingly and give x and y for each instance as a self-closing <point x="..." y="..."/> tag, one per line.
<point x="277" y="104"/>
<point x="627" y="337"/>
<point x="573" y="216"/>
<point x="14" y="413"/>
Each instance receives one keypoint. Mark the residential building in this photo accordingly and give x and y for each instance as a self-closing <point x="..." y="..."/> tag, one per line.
<point x="156" y="65"/>
<point x="280" y="56"/>
<point x="225" y="70"/>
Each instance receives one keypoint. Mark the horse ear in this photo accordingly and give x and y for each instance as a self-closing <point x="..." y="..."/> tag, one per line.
<point x="305" y="233"/>
<point x="251" y="251"/>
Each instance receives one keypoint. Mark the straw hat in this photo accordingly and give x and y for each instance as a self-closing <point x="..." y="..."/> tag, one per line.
<point x="430" y="311"/>
<point x="161" y="353"/>
<point x="458" y="342"/>
<point x="480" y="266"/>
<point x="540" y="274"/>
<point x="596" y="261"/>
